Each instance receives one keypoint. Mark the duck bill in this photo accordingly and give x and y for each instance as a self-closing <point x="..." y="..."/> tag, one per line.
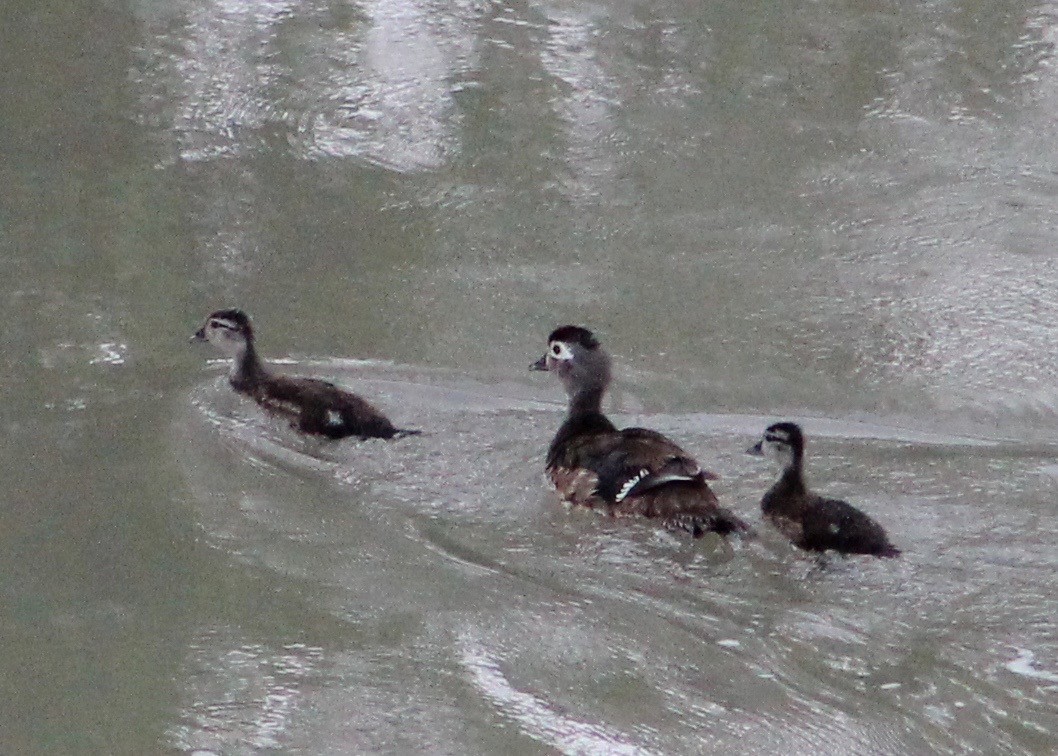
<point x="540" y="364"/>
<point x="200" y="335"/>
<point x="757" y="450"/>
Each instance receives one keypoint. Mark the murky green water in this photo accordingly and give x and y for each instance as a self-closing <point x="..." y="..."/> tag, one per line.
<point x="842" y="212"/>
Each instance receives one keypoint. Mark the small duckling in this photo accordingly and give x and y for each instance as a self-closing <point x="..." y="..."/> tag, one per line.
<point x="808" y="520"/>
<point x="634" y="471"/>
<point x="312" y="405"/>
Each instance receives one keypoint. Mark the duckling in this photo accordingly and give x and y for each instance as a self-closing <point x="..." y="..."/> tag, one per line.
<point x="312" y="405"/>
<point x="634" y="471"/>
<point x="808" y="520"/>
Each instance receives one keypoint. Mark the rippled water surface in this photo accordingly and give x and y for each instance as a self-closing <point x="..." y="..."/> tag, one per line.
<point x="836" y="212"/>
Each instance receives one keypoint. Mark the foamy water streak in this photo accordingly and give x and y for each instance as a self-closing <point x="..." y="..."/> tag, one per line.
<point x="535" y="716"/>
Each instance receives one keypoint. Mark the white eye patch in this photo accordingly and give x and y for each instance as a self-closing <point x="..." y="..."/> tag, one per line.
<point x="558" y="350"/>
<point x="225" y="324"/>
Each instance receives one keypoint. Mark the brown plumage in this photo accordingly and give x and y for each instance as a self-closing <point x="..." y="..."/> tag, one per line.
<point x="627" y="472"/>
<point x="806" y="519"/>
<point x="311" y="405"/>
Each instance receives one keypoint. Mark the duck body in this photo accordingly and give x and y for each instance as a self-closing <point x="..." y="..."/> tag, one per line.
<point x="629" y="472"/>
<point x="311" y="405"/>
<point x="318" y="407"/>
<point x="809" y="521"/>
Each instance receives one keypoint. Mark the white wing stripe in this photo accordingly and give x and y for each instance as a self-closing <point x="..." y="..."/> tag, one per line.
<point x="630" y="484"/>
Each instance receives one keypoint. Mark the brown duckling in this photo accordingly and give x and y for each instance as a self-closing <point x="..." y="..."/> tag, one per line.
<point x="626" y="472"/>
<point x="808" y="520"/>
<point x="312" y="405"/>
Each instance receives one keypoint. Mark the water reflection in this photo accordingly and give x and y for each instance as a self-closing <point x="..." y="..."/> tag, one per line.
<point x="243" y="697"/>
<point x="369" y="83"/>
<point x="536" y="717"/>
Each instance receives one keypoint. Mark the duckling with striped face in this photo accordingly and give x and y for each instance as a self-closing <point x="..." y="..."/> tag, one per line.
<point x="808" y="520"/>
<point x="779" y="444"/>
<point x="626" y="472"/>
<point x="311" y="405"/>
<point x="231" y="333"/>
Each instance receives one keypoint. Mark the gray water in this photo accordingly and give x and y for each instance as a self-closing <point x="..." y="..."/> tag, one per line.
<point x="834" y="211"/>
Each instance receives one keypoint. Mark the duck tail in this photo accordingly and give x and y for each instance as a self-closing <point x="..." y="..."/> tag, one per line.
<point x="889" y="551"/>
<point x="722" y="522"/>
<point x="727" y="523"/>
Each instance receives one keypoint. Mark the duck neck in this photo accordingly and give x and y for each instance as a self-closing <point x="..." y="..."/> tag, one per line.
<point x="793" y="477"/>
<point x="247" y="369"/>
<point x="586" y="401"/>
<point x="585" y="419"/>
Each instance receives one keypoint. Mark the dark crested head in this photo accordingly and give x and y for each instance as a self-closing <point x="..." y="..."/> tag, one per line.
<point x="228" y="329"/>
<point x="232" y="318"/>
<point x="786" y="433"/>
<point x="572" y="334"/>
<point x="574" y="355"/>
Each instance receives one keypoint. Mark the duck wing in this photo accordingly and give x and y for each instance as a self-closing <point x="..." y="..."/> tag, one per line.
<point x="637" y="471"/>
<point x="836" y="524"/>
<point x="640" y="460"/>
<point x="320" y="407"/>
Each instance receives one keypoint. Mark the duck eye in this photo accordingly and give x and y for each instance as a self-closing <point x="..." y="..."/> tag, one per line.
<point x="556" y="350"/>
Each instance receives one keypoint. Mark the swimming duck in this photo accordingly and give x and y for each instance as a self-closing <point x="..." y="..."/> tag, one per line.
<point x="312" y="405"/>
<point x="808" y="520"/>
<point x="634" y="471"/>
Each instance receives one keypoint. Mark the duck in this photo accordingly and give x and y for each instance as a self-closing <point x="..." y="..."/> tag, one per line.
<point x="808" y="520"/>
<point x="313" y="406"/>
<point x="627" y="472"/>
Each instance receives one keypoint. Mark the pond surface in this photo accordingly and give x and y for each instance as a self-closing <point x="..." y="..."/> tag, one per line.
<point x="836" y="212"/>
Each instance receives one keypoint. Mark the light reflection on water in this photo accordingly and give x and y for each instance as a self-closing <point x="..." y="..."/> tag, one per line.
<point x="939" y="310"/>
<point x="382" y="96"/>
<point x="534" y="716"/>
<point x="248" y="697"/>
